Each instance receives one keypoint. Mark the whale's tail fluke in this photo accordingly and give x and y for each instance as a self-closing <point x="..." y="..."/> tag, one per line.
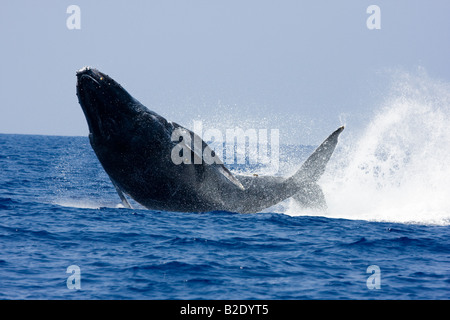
<point x="311" y="195"/>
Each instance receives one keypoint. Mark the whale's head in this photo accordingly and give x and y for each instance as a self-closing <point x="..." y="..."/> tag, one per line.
<point x="108" y="107"/>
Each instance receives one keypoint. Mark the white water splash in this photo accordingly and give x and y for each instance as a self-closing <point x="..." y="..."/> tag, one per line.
<point x="85" y="204"/>
<point x="399" y="168"/>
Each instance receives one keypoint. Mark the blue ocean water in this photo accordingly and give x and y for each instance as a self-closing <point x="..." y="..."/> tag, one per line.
<point x="59" y="209"/>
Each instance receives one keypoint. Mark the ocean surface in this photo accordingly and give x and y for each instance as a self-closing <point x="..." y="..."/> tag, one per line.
<point x="64" y="234"/>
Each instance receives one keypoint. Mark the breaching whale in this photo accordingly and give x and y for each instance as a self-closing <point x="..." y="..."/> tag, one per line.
<point x="134" y="146"/>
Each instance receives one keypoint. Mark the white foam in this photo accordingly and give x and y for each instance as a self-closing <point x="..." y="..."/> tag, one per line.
<point x="85" y="204"/>
<point x="399" y="168"/>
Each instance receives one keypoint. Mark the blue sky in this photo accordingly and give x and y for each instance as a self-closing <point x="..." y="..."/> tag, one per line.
<point x="303" y="67"/>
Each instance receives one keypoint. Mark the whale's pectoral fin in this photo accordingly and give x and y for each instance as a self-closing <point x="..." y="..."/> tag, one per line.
<point x="122" y="197"/>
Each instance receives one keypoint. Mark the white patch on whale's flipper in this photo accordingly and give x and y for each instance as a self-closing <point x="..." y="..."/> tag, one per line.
<point x="122" y="197"/>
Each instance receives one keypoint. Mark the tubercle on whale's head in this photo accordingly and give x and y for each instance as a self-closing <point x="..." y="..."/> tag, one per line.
<point x="108" y="107"/>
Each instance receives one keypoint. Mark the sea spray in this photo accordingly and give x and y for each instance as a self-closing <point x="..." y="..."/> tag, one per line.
<point x="398" y="169"/>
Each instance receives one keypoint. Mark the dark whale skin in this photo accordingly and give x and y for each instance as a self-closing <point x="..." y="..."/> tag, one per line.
<point x="134" y="146"/>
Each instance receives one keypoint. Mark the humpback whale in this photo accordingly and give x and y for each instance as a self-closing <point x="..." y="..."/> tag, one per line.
<point x="134" y="145"/>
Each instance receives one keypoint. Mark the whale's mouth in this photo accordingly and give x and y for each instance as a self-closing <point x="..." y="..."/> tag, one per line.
<point x="86" y="76"/>
<point x="92" y="85"/>
<point x="90" y="73"/>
